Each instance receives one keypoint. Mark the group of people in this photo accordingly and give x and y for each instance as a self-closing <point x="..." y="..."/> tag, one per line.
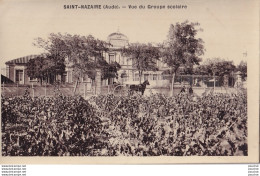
<point x="133" y="125"/>
<point x="183" y="89"/>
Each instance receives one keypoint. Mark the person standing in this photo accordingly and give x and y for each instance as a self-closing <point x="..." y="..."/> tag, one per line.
<point x="182" y="89"/>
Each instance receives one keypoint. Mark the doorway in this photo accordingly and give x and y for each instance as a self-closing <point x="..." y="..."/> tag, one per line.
<point x="19" y="76"/>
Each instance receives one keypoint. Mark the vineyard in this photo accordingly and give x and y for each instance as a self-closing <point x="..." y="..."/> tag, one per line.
<point x="108" y="125"/>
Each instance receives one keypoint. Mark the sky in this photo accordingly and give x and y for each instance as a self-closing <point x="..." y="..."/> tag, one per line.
<point x="230" y="28"/>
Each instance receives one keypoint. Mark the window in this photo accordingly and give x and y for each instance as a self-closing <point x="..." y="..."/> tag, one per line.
<point x="85" y="78"/>
<point x="119" y="59"/>
<point x="69" y="77"/>
<point x="32" y="79"/>
<point x="136" y="77"/>
<point x="158" y="63"/>
<point x="165" y="77"/>
<point x="19" y="76"/>
<point x="123" y="60"/>
<point x="154" y="77"/>
<point x="7" y="71"/>
<point x="146" y="76"/>
<point x="111" y="58"/>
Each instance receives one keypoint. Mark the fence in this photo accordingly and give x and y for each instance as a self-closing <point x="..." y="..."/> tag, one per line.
<point x="83" y="89"/>
<point x="161" y="85"/>
<point x="201" y="80"/>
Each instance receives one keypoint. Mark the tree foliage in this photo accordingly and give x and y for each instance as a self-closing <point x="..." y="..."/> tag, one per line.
<point x="217" y="66"/>
<point x="242" y="67"/>
<point x="35" y="68"/>
<point x="45" y="67"/>
<point x="85" y="53"/>
<point x="143" y="56"/>
<point x="110" y="70"/>
<point x="182" y="48"/>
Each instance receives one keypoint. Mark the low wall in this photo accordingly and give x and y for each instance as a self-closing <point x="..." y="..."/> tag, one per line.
<point x="197" y="90"/>
<point x="10" y="91"/>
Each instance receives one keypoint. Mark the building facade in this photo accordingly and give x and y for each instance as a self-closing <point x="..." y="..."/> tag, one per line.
<point x="128" y="74"/>
<point x="16" y="69"/>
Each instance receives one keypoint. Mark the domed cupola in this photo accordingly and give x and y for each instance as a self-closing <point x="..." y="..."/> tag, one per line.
<point x="117" y="40"/>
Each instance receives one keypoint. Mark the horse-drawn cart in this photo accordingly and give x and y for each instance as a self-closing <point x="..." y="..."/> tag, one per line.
<point x="120" y="89"/>
<point x="130" y="87"/>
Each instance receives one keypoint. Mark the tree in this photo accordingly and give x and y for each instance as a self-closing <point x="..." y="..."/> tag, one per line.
<point x="45" y="68"/>
<point x="143" y="57"/>
<point x="242" y="67"/>
<point x="35" y="68"/>
<point x="109" y="70"/>
<point x="84" y="52"/>
<point x="217" y="67"/>
<point x="182" y="48"/>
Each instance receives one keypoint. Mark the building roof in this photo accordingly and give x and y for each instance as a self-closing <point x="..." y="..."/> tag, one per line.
<point x="117" y="35"/>
<point x="6" y="80"/>
<point x="23" y="60"/>
<point x="117" y="40"/>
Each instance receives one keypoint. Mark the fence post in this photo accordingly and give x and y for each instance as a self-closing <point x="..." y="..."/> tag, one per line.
<point x="214" y="82"/>
<point x="32" y="90"/>
<point x="45" y="91"/>
<point x="17" y="89"/>
<point x="98" y="82"/>
<point x="95" y="89"/>
<point x="84" y="90"/>
<point x="3" y="88"/>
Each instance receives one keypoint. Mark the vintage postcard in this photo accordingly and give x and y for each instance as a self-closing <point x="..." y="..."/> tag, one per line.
<point x="131" y="82"/>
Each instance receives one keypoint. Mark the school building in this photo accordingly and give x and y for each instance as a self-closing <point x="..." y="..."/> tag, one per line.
<point x="16" y="69"/>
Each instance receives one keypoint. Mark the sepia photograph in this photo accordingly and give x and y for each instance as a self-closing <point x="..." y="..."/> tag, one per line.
<point x="129" y="82"/>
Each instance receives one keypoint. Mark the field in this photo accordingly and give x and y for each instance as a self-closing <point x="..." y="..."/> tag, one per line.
<point x="108" y="125"/>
